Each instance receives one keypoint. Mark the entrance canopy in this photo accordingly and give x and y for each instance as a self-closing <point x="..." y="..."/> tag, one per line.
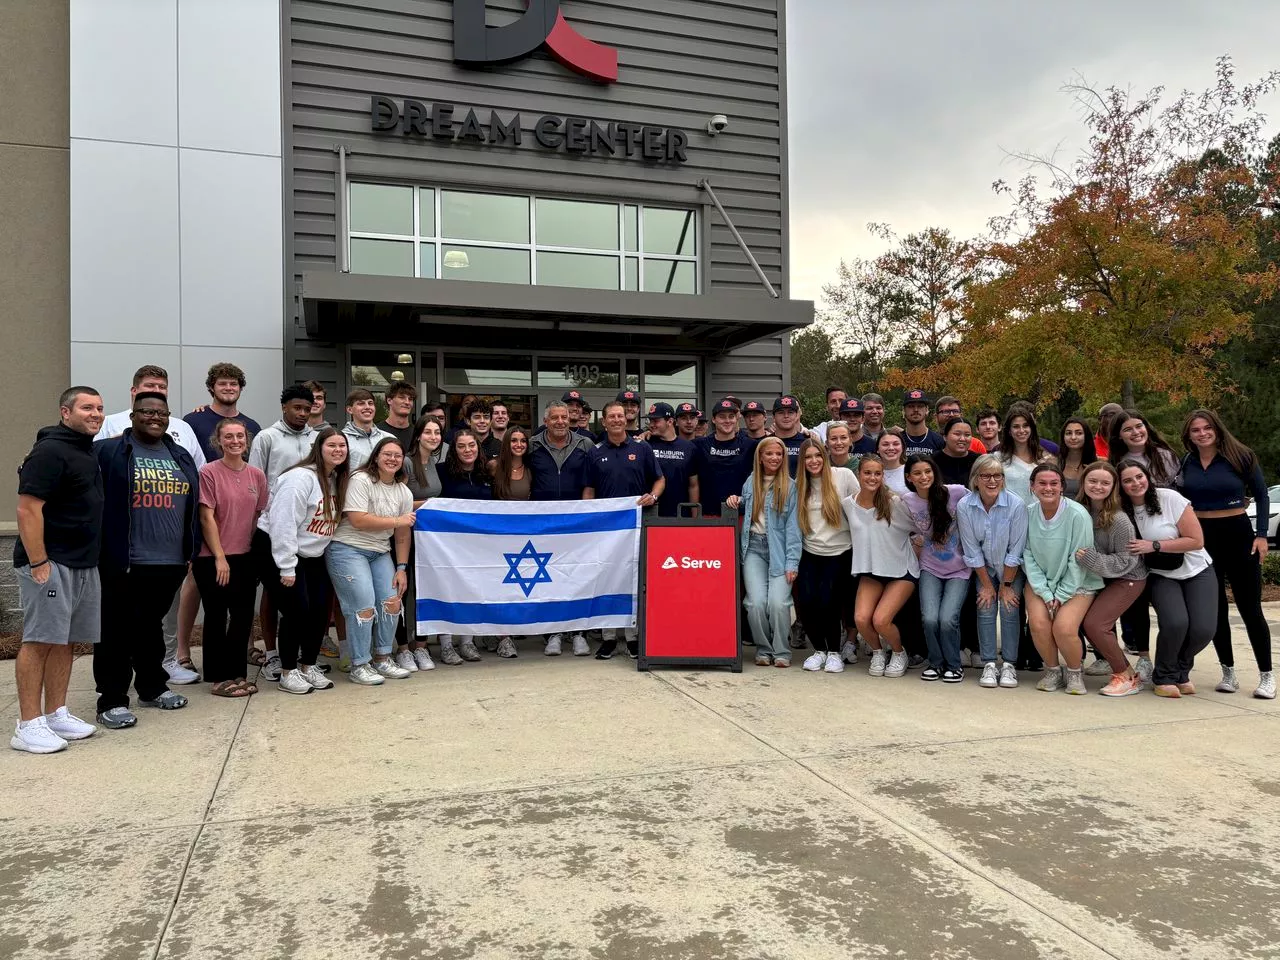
<point x="346" y="307"/>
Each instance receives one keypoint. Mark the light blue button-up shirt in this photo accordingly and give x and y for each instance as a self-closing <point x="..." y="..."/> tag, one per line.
<point x="992" y="538"/>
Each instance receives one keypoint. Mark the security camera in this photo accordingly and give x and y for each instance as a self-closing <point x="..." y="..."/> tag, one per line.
<point x="717" y="124"/>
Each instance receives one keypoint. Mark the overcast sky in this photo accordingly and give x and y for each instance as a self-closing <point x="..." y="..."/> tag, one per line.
<point x="902" y="111"/>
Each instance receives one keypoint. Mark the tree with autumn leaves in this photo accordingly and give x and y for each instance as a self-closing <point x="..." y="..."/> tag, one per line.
<point x="1129" y="268"/>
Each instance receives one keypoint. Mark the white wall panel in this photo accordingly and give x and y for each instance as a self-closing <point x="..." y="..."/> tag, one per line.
<point x="109" y="367"/>
<point x="124" y="243"/>
<point x="263" y="370"/>
<point x="229" y="75"/>
<point x="232" y="248"/>
<point x="124" y="70"/>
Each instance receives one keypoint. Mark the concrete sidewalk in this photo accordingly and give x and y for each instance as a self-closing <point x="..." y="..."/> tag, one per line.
<point x="569" y="808"/>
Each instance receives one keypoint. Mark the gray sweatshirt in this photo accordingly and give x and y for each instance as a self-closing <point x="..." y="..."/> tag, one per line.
<point x="279" y="447"/>
<point x="1109" y="557"/>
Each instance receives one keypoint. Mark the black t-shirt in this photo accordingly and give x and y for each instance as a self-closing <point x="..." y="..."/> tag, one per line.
<point x="678" y="460"/>
<point x="62" y="470"/>
<point x="403" y="434"/>
<point x="955" y="469"/>
<point x="793" y="451"/>
<point x="723" y="467"/>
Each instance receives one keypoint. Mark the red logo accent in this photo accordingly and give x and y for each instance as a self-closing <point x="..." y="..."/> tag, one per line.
<point x="631" y="456"/>
<point x="475" y="42"/>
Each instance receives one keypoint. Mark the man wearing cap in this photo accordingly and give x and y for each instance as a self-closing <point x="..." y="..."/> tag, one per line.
<point x="677" y="458"/>
<point x="630" y="401"/>
<point x="851" y="414"/>
<point x="753" y="414"/>
<point x="786" y="427"/>
<point x="918" y="439"/>
<point x="702" y="429"/>
<point x="724" y="460"/>
<point x="687" y="421"/>
<point x="622" y="466"/>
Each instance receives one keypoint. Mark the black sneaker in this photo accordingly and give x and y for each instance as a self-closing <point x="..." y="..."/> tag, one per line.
<point x="915" y="660"/>
<point x="952" y="676"/>
<point x="930" y="673"/>
<point x="323" y="667"/>
<point x="606" y="650"/>
<point x="633" y="649"/>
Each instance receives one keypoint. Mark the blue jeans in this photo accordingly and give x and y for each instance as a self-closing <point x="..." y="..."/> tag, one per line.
<point x="1010" y="621"/>
<point x="362" y="581"/>
<point x="940" y="604"/>
<point x="768" y="602"/>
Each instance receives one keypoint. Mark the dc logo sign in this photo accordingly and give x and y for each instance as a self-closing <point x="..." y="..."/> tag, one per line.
<point x="475" y="43"/>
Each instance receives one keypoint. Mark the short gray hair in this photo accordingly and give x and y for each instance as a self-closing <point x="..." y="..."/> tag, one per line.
<point x="986" y="462"/>
<point x="546" y="411"/>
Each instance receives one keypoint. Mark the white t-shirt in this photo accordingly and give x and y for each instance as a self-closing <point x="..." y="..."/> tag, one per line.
<point x="1164" y="526"/>
<point x="826" y="540"/>
<point x="365" y="495"/>
<point x="880" y="548"/>
<point x="895" y="478"/>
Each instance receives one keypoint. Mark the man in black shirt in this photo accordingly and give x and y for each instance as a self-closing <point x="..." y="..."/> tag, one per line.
<point x="479" y="419"/>
<point x="677" y="458"/>
<point x="56" y="562"/>
<point x="401" y="399"/>
<point x="786" y="427"/>
<point x="918" y="438"/>
<point x="687" y="421"/>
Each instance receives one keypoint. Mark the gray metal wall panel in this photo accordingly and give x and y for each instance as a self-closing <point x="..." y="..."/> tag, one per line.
<point x="680" y="62"/>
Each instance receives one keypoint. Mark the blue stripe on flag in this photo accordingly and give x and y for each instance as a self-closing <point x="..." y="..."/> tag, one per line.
<point x="525" y="524"/>
<point x="519" y="614"/>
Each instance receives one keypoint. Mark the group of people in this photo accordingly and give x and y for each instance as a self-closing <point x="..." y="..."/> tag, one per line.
<point x="918" y="541"/>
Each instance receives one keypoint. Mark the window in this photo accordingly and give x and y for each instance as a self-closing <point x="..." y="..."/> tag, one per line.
<point x="408" y="231"/>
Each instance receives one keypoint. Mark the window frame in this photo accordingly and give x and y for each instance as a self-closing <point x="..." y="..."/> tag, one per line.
<point x="623" y="256"/>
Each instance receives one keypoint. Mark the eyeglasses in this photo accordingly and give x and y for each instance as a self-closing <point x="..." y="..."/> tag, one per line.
<point x="991" y="477"/>
<point x="151" y="414"/>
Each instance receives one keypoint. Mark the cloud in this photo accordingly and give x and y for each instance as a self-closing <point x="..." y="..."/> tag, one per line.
<point x="905" y="112"/>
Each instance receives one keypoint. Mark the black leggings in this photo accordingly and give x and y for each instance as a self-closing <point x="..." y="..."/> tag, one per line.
<point x="303" y="607"/>
<point x="1229" y="541"/>
<point x="224" y="645"/>
<point x="822" y="588"/>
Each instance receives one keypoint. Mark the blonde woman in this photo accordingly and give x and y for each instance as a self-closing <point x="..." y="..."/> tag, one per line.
<point x="823" y="581"/>
<point x="770" y="551"/>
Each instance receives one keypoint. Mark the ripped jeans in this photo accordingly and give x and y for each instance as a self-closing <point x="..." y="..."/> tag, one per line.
<point x="362" y="580"/>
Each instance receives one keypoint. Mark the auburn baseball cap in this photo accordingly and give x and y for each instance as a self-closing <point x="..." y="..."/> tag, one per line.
<point x="573" y="396"/>
<point x="724" y="406"/>
<point x="916" y="395"/>
<point x="734" y="400"/>
<point x="753" y="406"/>
<point x="852" y="405"/>
<point x="786" y="403"/>
<point x="627" y="396"/>
<point x="686" y="408"/>
<point x="702" y="417"/>
<point x="659" y="411"/>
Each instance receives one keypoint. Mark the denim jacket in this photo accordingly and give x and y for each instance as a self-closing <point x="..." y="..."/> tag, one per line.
<point x="781" y="529"/>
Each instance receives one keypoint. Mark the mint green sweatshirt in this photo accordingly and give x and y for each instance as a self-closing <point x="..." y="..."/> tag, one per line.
<point x="1050" y="556"/>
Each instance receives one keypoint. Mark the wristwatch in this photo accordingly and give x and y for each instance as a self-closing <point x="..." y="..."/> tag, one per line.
<point x="402" y="566"/>
<point x="1155" y="546"/>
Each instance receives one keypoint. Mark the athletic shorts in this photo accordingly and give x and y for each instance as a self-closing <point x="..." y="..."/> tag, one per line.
<point x="885" y="581"/>
<point x="66" y="608"/>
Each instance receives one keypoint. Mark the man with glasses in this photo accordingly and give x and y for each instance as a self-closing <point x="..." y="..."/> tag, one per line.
<point x="946" y="409"/>
<point x="151" y="533"/>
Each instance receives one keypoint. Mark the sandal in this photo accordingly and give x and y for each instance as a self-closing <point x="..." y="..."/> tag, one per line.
<point x="256" y="657"/>
<point x="233" y="689"/>
<point x="186" y="663"/>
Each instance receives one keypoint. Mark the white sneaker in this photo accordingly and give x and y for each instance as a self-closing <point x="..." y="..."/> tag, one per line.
<point x="1008" y="676"/>
<point x="878" y="660"/>
<point x="580" y="646"/>
<point x="1266" y="686"/>
<point x="405" y="661"/>
<point x="1228" y="683"/>
<point x="68" y="726"/>
<point x="292" y="681"/>
<point x="314" y="676"/>
<point x="365" y="675"/>
<point x="423" y="659"/>
<point x="848" y="652"/>
<point x="1144" y="668"/>
<point x="552" y="648"/>
<point x="385" y="668"/>
<point x="1099" y="668"/>
<point x="815" y="662"/>
<point x="507" y="649"/>
<point x="179" y="674"/>
<point x="34" y="736"/>
<point x="834" y="664"/>
<point x="990" y="676"/>
<point x="271" y="670"/>
<point x="897" y="664"/>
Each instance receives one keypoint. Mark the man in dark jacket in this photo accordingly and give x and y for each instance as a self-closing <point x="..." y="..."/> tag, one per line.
<point x="56" y="564"/>
<point x="151" y="533"/>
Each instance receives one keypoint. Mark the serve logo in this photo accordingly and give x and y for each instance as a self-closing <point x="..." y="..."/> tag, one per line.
<point x="475" y="43"/>
<point x="691" y="563"/>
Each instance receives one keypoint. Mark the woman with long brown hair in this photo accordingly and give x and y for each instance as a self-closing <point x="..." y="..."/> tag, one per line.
<point x="771" y="548"/>
<point x="512" y="479"/>
<point x="422" y="462"/>
<point x="1134" y="438"/>
<point x="1218" y="475"/>
<point x="823" y="583"/>
<point x="884" y="560"/>
<point x="1123" y="574"/>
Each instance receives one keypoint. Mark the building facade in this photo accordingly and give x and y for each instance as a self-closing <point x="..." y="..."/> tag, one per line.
<point x="458" y="195"/>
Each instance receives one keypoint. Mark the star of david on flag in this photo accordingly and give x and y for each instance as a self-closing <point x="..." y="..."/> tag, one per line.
<point x="540" y="574"/>
<point x="524" y="568"/>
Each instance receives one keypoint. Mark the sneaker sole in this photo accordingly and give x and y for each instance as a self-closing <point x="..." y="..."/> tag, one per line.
<point x="959" y="679"/>
<point x="299" y="693"/>
<point x="23" y="747"/>
<point x="989" y="686"/>
<point x="1133" y="692"/>
<point x="108" y="725"/>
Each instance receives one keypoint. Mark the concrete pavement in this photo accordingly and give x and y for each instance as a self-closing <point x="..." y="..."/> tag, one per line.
<point x="568" y="808"/>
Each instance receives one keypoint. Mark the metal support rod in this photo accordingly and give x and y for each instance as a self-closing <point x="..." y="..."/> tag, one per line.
<point x="340" y="210"/>
<point x="751" y="258"/>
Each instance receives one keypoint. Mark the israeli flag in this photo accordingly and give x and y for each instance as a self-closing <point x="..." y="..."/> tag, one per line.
<point x="504" y="567"/>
